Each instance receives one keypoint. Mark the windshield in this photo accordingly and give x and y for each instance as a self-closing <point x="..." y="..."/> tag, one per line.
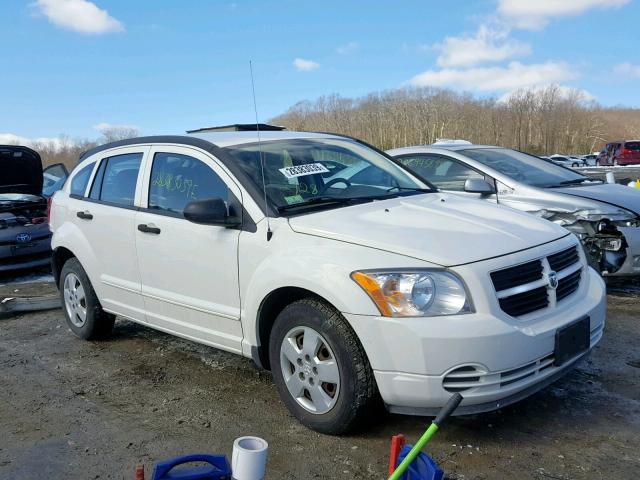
<point x="524" y="168"/>
<point x="323" y="171"/>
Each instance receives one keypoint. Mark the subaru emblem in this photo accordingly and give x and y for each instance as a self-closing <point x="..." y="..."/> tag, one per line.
<point x="23" y="238"/>
<point x="553" y="280"/>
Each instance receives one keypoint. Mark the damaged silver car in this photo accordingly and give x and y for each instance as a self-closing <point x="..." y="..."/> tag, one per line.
<point x="605" y="217"/>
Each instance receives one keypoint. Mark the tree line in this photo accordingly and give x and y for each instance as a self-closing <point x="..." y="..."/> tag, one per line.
<point x="67" y="151"/>
<point x="540" y="121"/>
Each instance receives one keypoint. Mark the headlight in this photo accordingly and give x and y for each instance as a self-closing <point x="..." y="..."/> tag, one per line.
<point x="414" y="293"/>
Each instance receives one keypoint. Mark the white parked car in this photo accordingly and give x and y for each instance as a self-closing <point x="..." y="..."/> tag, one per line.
<point x="349" y="290"/>
<point x="567" y="161"/>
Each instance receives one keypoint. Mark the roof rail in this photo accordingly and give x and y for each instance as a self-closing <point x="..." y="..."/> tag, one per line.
<point x="240" y="127"/>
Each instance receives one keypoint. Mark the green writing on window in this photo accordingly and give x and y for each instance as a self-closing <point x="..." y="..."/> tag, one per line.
<point x="175" y="183"/>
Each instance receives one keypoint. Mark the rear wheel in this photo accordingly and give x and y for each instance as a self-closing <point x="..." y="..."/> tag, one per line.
<point x="81" y="306"/>
<point x="320" y="368"/>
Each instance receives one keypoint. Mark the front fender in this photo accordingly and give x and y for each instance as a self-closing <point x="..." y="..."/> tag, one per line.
<point x="319" y="265"/>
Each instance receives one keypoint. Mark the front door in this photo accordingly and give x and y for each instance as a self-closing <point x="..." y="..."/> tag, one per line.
<point x="189" y="271"/>
<point x="446" y="173"/>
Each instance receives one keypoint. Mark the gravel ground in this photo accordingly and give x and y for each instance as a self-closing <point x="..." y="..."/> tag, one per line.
<point x="82" y="410"/>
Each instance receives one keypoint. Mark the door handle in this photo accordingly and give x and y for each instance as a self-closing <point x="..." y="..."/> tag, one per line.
<point x="148" y="229"/>
<point x="84" y="215"/>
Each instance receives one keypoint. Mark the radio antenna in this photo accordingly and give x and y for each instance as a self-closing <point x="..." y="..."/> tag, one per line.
<point x="264" y="183"/>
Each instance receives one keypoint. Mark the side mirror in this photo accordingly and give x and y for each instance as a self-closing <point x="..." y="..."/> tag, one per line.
<point x="479" y="185"/>
<point x="210" y="211"/>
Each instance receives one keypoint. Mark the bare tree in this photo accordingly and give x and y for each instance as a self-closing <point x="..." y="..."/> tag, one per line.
<point x="540" y="121"/>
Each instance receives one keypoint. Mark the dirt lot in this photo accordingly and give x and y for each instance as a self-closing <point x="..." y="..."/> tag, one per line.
<point x="78" y="410"/>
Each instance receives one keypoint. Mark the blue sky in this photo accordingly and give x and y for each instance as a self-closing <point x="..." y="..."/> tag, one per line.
<point x="166" y="66"/>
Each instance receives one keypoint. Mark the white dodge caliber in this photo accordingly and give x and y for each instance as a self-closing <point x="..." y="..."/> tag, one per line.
<point x="349" y="287"/>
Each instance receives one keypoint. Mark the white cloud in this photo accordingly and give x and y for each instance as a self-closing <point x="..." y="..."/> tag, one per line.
<point x="51" y="142"/>
<point x="101" y="127"/>
<point x="305" y="65"/>
<point x="79" y="16"/>
<point x="536" y="14"/>
<point x="487" y="45"/>
<point x="497" y="79"/>
<point x="628" y="69"/>
<point x="348" y="49"/>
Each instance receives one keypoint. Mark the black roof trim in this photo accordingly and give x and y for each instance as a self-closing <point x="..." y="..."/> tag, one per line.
<point x="240" y="127"/>
<point x="254" y="190"/>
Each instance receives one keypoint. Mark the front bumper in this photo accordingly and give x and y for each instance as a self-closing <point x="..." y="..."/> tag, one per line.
<point x="501" y="360"/>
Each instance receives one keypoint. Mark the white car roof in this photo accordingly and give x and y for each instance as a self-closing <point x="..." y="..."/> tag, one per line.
<point x="227" y="139"/>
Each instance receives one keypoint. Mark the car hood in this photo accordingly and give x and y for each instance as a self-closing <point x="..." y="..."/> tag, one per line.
<point x="613" y="194"/>
<point x="20" y="170"/>
<point x="439" y="228"/>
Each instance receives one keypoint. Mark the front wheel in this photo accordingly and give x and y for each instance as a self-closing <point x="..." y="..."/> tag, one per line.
<point x="320" y="368"/>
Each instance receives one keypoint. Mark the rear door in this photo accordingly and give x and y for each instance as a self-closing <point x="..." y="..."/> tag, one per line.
<point x="189" y="271"/>
<point x="105" y="213"/>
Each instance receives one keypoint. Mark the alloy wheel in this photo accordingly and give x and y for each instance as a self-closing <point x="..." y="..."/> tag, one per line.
<point x="75" y="300"/>
<point x="310" y="370"/>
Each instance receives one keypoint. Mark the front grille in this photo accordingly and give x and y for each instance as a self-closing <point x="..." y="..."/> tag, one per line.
<point x="561" y="260"/>
<point x="517" y="374"/>
<point x="518" y="275"/>
<point x="462" y="378"/>
<point x="525" y="302"/>
<point x="524" y="288"/>
<point x="469" y="377"/>
<point x="568" y="285"/>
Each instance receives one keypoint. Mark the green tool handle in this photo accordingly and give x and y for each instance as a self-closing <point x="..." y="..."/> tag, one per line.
<point x="446" y="411"/>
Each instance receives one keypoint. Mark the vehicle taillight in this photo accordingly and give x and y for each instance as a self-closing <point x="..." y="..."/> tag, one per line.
<point x="49" y="201"/>
<point x="626" y="151"/>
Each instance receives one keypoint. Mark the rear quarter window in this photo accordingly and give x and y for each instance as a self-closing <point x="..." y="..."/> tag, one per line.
<point x="632" y="146"/>
<point x="80" y="180"/>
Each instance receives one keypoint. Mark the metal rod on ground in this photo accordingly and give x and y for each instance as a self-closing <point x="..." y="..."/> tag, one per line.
<point x="446" y="411"/>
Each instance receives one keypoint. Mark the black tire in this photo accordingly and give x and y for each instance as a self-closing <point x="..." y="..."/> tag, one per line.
<point x="357" y="396"/>
<point x="98" y="323"/>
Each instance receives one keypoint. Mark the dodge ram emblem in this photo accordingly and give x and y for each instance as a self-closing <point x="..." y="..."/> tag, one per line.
<point x="23" y="238"/>
<point x="553" y="280"/>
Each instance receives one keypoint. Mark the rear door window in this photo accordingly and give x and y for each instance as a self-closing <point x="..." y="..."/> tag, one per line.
<point x="81" y="179"/>
<point x="178" y="179"/>
<point x="116" y="179"/>
<point x="632" y="146"/>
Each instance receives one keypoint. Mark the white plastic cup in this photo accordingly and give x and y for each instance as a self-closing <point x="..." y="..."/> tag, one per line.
<point x="611" y="178"/>
<point x="249" y="458"/>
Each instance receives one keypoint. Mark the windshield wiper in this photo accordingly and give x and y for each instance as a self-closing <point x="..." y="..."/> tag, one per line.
<point x="334" y="200"/>
<point x="575" y="181"/>
<point x="411" y="189"/>
<point x="315" y="201"/>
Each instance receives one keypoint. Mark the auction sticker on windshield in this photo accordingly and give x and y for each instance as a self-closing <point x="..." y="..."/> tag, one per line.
<point x="302" y="170"/>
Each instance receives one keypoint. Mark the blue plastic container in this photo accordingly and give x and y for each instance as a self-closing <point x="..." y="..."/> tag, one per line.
<point x="422" y="468"/>
<point x="217" y="469"/>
